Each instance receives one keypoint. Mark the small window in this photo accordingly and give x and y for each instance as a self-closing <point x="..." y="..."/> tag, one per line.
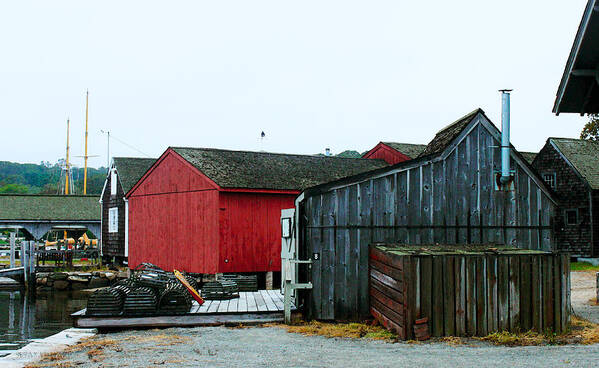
<point x="571" y="217"/>
<point x="113" y="220"/>
<point x="549" y="180"/>
<point x="113" y="182"/>
<point x="286" y="227"/>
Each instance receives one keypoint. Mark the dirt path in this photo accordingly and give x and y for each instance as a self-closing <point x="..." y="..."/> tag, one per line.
<point x="583" y="284"/>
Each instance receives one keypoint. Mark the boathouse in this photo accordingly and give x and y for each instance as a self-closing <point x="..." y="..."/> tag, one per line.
<point x="217" y="211"/>
<point x="393" y="152"/>
<point x="451" y="194"/>
<point x="123" y="174"/>
<point x="571" y="168"/>
<point x="36" y="214"/>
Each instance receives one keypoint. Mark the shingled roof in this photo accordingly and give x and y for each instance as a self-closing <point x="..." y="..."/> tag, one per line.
<point x="583" y="155"/>
<point x="529" y="156"/>
<point x="49" y="207"/>
<point x="263" y="170"/>
<point x="408" y="149"/>
<point x="446" y="135"/>
<point x="131" y="169"/>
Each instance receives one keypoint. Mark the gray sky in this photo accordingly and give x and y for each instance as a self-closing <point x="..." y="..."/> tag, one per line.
<point x="311" y="74"/>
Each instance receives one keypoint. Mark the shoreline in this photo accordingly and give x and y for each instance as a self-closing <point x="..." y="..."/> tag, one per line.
<point x="54" y="343"/>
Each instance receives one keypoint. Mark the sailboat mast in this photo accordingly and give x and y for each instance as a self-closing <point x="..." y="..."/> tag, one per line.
<point x="68" y="171"/>
<point x="85" y="157"/>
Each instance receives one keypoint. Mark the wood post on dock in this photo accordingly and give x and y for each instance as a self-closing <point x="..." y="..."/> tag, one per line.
<point x="28" y="262"/>
<point x="13" y="242"/>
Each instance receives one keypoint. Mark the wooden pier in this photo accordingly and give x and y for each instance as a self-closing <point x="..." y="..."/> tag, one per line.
<point x="263" y="306"/>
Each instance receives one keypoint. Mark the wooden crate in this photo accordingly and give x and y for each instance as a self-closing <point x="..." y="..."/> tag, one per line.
<point x="468" y="290"/>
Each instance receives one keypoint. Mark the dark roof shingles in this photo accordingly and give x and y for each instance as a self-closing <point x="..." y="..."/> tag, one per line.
<point x="445" y="136"/>
<point x="409" y="149"/>
<point x="262" y="170"/>
<point x="529" y="156"/>
<point x="583" y="155"/>
<point x="131" y="169"/>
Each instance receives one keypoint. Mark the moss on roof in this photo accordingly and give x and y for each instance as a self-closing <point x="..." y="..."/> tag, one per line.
<point x="583" y="155"/>
<point x="49" y="207"/>
<point x="409" y="149"/>
<point x="263" y="170"/>
<point x="131" y="169"/>
<point x="446" y="135"/>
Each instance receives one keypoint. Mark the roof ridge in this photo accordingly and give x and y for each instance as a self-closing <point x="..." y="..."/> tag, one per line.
<point x="472" y="113"/>
<point x="267" y="153"/>
<point x="411" y="144"/>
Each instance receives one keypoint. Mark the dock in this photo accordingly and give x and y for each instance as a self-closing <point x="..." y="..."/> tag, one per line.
<point x="263" y="306"/>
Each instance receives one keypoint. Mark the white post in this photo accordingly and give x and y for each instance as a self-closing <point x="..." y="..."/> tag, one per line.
<point x="13" y="242"/>
<point x="31" y="258"/>
<point x="24" y="248"/>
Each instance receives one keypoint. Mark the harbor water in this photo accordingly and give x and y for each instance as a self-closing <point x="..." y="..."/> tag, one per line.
<point x="25" y="316"/>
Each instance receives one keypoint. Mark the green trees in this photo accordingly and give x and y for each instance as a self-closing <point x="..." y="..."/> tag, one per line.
<point x="44" y="178"/>
<point x="591" y="129"/>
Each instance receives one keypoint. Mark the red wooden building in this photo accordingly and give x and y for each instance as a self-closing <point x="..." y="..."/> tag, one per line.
<point x="394" y="153"/>
<point x="216" y="211"/>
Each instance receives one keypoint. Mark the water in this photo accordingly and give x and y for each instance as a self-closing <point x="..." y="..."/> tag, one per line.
<point x="25" y="317"/>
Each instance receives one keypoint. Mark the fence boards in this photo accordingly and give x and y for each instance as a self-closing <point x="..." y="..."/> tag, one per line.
<point x="469" y="293"/>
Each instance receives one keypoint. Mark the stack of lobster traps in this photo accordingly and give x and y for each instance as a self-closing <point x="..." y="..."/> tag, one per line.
<point x="148" y="291"/>
<point x="220" y="290"/>
<point x="244" y="282"/>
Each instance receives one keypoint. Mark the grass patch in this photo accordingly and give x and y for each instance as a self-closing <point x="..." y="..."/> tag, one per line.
<point x="581" y="332"/>
<point x="583" y="266"/>
<point x="160" y="340"/>
<point x="90" y="343"/>
<point x="344" y="330"/>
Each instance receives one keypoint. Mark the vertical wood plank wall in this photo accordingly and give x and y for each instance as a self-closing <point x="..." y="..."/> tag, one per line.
<point x="491" y="293"/>
<point x="173" y="220"/>
<point x="420" y="205"/>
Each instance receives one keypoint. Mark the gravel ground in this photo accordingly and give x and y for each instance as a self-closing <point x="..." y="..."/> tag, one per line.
<point x="583" y="284"/>
<point x="275" y="347"/>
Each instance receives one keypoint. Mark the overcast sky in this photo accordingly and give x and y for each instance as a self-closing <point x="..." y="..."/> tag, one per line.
<point x="310" y="74"/>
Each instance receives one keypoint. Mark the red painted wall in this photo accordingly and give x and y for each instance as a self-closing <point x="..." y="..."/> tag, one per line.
<point x="173" y="218"/>
<point x="386" y="153"/>
<point x="178" y="218"/>
<point x="250" y="231"/>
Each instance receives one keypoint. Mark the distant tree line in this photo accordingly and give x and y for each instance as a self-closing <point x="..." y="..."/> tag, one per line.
<point x="44" y="178"/>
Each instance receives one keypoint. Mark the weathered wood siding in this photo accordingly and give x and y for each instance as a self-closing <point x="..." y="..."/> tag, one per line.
<point x="250" y="231"/>
<point x="113" y="244"/>
<point x="173" y="219"/>
<point x="450" y="199"/>
<point x="470" y="294"/>
<point x="573" y="193"/>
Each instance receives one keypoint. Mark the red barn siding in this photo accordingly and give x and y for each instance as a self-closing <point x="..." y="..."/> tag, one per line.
<point x="250" y="231"/>
<point x="386" y="153"/>
<point x="173" y="219"/>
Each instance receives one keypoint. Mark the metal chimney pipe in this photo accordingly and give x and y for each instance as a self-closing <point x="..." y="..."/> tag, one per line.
<point x="505" y="136"/>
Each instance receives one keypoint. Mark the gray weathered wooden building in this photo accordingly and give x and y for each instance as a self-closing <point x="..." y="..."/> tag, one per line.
<point x="448" y="195"/>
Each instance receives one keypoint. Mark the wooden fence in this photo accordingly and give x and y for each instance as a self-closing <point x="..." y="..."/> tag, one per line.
<point x="464" y="291"/>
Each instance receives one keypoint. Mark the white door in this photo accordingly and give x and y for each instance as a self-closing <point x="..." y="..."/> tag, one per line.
<point x="288" y="247"/>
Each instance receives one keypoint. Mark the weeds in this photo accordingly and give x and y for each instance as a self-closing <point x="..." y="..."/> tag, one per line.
<point x="581" y="332"/>
<point x="583" y="266"/>
<point x="345" y="330"/>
